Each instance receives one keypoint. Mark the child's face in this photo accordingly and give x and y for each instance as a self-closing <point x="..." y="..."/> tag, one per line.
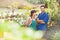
<point x="42" y="9"/>
<point x="34" y="15"/>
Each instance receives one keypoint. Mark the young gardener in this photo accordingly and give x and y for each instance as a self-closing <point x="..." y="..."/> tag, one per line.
<point x="31" y="22"/>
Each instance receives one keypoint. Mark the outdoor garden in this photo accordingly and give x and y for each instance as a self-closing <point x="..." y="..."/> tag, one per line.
<point x="13" y="19"/>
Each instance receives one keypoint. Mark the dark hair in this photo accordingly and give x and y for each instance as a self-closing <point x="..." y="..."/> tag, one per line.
<point x="32" y="12"/>
<point x="42" y="6"/>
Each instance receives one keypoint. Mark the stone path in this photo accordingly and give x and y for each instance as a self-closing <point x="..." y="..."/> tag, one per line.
<point x="52" y="30"/>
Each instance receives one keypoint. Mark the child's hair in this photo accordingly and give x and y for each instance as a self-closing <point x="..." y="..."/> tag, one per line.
<point x="42" y="6"/>
<point x="32" y="12"/>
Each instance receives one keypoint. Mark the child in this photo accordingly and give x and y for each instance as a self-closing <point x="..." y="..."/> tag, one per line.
<point x="31" y="22"/>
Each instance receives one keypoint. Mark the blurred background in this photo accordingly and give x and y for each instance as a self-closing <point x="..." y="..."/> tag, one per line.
<point x="14" y="13"/>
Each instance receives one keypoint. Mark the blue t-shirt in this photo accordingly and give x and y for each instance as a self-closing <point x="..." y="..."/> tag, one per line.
<point x="43" y="16"/>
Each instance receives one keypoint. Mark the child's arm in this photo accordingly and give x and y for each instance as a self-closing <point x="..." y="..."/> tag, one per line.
<point x="28" y="22"/>
<point x="40" y="21"/>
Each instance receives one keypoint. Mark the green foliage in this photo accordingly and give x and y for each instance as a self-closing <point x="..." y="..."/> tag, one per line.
<point x="28" y="7"/>
<point x="33" y="1"/>
<point x="56" y="36"/>
<point x="24" y="13"/>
